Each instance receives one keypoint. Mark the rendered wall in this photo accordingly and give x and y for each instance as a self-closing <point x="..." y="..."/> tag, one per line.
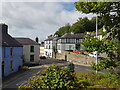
<point x="16" y="58"/>
<point x="27" y="53"/>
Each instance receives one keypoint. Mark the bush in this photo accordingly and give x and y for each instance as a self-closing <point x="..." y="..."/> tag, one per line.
<point x="55" y="77"/>
<point x="110" y="80"/>
<point x="107" y="80"/>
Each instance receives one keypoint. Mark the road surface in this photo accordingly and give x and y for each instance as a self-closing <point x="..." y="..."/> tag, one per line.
<point x="21" y="77"/>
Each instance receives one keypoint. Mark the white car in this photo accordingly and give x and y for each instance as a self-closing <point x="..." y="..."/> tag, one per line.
<point x="92" y="55"/>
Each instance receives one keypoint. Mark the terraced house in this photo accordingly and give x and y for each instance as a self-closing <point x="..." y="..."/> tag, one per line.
<point x="67" y="42"/>
<point x="11" y="60"/>
<point x="31" y="50"/>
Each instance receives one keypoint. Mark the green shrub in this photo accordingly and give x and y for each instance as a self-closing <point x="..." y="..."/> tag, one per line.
<point x="71" y="67"/>
<point x="107" y="80"/>
<point x="110" y="80"/>
<point x="55" y="77"/>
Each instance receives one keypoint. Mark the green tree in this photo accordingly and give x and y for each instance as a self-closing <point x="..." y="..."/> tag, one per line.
<point x="62" y="30"/>
<point x="82" y="25"/>
<point x="109" y="12"/>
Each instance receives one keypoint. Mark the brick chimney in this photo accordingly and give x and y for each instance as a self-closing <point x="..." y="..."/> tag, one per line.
<point x="4" y="28"/>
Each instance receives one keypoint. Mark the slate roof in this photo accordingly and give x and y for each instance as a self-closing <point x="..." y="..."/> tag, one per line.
<point x="7" y="40"/>
<point x="71" y="36"/>
<point x="49" y="38"/>
<point x="52" y="38"/>
<point x="26" y="41"/>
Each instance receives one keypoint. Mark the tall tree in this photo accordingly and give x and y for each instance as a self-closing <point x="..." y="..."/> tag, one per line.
<point x="109" y="12"/>
<point x="62" y="30"/>
<point x="82" y="25"/>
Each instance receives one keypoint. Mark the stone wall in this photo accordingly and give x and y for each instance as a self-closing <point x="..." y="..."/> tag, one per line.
<point x="75" y="58"/>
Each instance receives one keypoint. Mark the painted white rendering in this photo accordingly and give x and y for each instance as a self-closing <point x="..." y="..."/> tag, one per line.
<point x="55" y="45"/>
<point x="48" y="48"/>
<point x="31" y="50"/>
<point x="41" y="51"/>
<point x="27" y="53"/>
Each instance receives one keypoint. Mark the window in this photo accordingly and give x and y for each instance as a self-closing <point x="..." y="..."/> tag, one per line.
<point x="77" y="40"/>
<point x="4" y="52"/>
<point x="11" y="51"/>
<point x="46" y="53"/>
<point x="31" y="48"/>
<point x="11" y="65"/>
<point x="70" y="47"/>
<point x="31" y="58"/>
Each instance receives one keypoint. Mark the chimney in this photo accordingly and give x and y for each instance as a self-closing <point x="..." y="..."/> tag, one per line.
<point x="36" y="39"/>
<point x="4" y="28"/>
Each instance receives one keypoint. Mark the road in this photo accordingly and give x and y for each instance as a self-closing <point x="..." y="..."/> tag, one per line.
<point x="21" y="77"/>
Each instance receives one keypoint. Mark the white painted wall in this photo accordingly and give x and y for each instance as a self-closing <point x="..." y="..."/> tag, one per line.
<point x="62" y="47"/>
<point x="48" y="50"/>
<point x="27" y="53"/>
<point x="41" y="51"/>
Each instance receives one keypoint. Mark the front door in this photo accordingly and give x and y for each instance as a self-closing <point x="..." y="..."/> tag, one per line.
<point x="3" y="68"/>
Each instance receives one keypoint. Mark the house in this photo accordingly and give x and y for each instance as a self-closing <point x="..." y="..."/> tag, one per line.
<point x="67" y="42"/>
<point x="31" y="50"/>
<point x="42" y="49"/>
<point x="12" y="50"/>
<point x="70" y="41"/>
<point x="48" y="47"/>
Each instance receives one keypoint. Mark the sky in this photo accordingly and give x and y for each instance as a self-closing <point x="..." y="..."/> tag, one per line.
<point x="38" y="19"/>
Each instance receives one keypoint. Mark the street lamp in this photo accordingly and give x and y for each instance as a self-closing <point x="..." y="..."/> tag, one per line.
<point x="96" y="37"/>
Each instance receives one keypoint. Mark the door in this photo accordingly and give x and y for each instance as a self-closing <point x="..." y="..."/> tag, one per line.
<point x="3" y="68"/>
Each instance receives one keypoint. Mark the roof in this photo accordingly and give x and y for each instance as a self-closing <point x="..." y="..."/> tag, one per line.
<point x="71" y="36"/>
<point x="52" y="38"/>
<point x="26" y="41"/>
<point x="7" y="40"/>
<point x="49" y="38"/>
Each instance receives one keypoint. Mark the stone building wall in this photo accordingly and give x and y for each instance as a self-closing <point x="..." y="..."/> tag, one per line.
<point x="75" y="58"/>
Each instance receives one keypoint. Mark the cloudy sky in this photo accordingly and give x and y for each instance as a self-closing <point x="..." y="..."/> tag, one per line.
<point x="40" y="19"/>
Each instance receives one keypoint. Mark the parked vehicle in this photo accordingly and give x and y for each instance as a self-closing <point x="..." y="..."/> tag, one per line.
<point x="42" y="57"/>
<point x="78" y="51"/>
<point x="92" y="54"/>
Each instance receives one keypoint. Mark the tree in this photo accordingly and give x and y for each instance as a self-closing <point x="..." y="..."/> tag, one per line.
<point x="62" y="30"/>
<point x="109" y="45"/>
<point x="109" y="12"/>
<point x="82" y="25"/>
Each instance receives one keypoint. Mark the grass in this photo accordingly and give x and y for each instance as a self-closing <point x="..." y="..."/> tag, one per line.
<point x="106" y="80"/>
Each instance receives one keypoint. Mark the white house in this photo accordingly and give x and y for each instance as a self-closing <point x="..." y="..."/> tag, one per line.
<point x="70" y="41"/>
<point x="50" y="46"/>
<point x="42" y="49"/>
<point x="31" y="50"/>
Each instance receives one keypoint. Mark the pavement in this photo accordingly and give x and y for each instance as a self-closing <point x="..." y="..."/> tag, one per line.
<point x="21" y="77"/>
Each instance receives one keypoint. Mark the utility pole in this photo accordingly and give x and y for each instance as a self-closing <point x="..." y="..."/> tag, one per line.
<point x="96" y="37"/>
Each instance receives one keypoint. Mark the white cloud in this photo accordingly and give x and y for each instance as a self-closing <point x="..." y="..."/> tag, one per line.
<point x="37" y="19"/>
<point x="39" y="0"/>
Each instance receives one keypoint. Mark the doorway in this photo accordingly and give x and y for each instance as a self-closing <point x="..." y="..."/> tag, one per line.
<point x="3" y="65"/>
